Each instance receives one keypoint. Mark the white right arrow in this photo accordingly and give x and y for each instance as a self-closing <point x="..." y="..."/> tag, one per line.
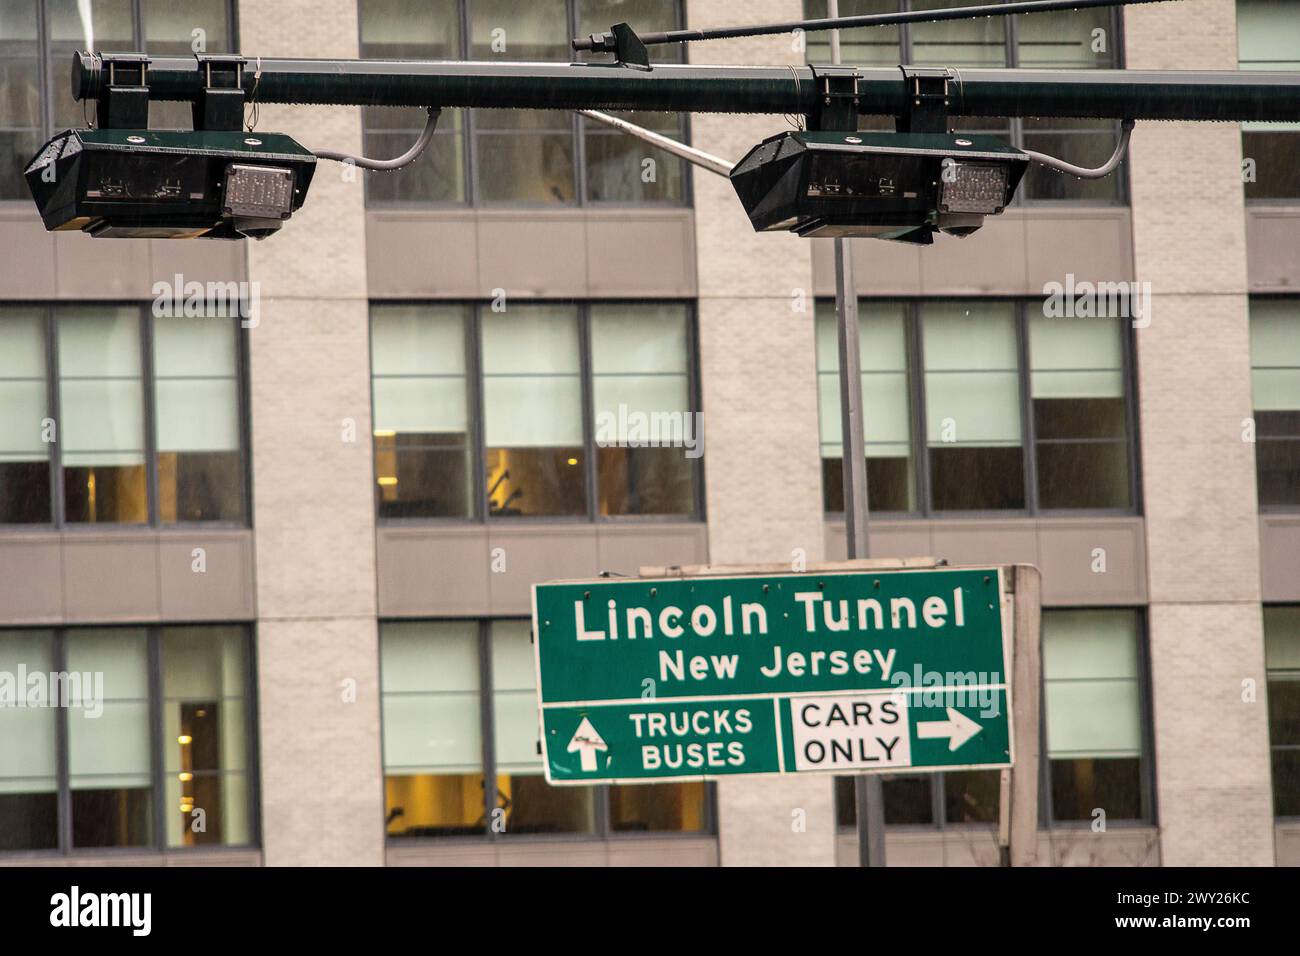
<point x="958" y="728"/>
<point x="586" y="741"/>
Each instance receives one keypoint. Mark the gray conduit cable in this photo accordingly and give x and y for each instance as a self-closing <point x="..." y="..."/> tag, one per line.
<point x="405" y="159"/>
<point x="1081" y="171"/>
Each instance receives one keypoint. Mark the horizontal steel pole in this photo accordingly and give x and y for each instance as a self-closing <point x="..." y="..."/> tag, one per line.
<point x="1114" y="94"/>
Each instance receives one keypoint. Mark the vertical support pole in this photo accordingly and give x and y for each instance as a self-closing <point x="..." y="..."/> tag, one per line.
<point x="867" y="794"/>
<point x="1025" y="691"/>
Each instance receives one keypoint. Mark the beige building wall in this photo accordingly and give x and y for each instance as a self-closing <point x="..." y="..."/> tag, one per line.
<point x="758" y="374"/>
<point x="1214" y="801"/>
<point x="313" y="506"/>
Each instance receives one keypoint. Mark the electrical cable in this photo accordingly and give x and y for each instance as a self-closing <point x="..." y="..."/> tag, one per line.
<point x="1081" y="171"/>
<point x="398" y="162"/>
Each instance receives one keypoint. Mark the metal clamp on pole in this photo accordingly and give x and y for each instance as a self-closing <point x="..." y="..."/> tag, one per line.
<point x="124" y="102"/>
<point x="622" y="41"/>
<point x="837" y="98"/>
<point x="931" y="92"/>
<point x="221" y="103"/>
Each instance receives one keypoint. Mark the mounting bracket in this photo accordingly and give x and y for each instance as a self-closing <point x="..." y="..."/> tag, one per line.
<point x="124" y="103"/>
<point x="930" y="94"/>
<point x="837" y="98"/>
<point x="221" y="104"/>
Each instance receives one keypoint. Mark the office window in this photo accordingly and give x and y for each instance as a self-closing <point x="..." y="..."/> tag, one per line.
<point x="196" y="397"/>
<point x="87" y="400"/>
<point x="149" y="761"/>
<point x="640" y="373"/>
<point x="1282" y="658"/>
<point x="101" y="407"/>
<point x="32" y="108"/>
<point x="24" y="414"/>
<point x="1094" y="702"/>
<point x="882" y="338"/>
<point x="973" y="428"/>
<point x="423" y="457"/>
<point x="21" y="122"/>
<point x="515" y="157"/>
<point x="1268" y="38"/>
<point x="532" y="411"/>
<point x="1080" y="416"/>
<point x="29" y="764"/>
<point x="459" y="708"/>
<point x="983" y="405"/>
<point x="578" y="411"/>
<point x="1275" y="376"/>
<point x="1071" y="39"/>
<point x="433" y="748"/>
<point x="1094" y="754"/>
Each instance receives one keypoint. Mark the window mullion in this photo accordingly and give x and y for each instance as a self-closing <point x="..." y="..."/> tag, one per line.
<point x="52" y="404"/>
<point x="1029" y="454"/>
<point x="156" y="742"/>
<point x="148" y="396"/>
<point x="477" y="430"/>
<point x="63" y="773"/>
<point x="916" y="384"/>
<point x="588" y="415"/>
<point x="487" y="719"/>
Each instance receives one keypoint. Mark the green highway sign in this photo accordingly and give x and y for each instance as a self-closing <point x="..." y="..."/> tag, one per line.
<point x="834" y="672"/>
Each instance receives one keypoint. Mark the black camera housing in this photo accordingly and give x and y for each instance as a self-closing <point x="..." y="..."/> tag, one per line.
<point x="902" y="186"/>
<point x="169" y="184"/>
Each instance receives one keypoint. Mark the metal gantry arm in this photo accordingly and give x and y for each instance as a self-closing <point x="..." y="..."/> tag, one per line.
<point x="880" y="91"/>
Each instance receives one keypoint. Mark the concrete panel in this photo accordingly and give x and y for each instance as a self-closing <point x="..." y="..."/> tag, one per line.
<point x="625" y="548"/>
<point x="89" y="268"/>
<point x="322" y="778"/>
<point x="1117" y="846"/>
<point x="641" y="254"/>
<point x="27" y="269"/>
<point x="197" y="261"/>
<point x="990" y="262"/>
<point x="674" y="851"/>
<point x="433" y="571"/>
<point x="530" y="256"/>
<point x="31" y="579"/>
<point x="223" y="591"/>
<point x="640" y="851"/>
<point x="986" y="542"/>
<point x="1094" y="244"/>
<point x="540" y="553"/>
<point x="109" y="578"/>
<point x="1272" y="238"/>
<point x="1066" y="557"/>
<point x="895" y="539"/>
<point x="422" y="254"/>
<point x="1279" y="557"/>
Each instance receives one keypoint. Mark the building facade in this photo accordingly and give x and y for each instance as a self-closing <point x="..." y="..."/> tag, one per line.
<point x="290" y="525"/>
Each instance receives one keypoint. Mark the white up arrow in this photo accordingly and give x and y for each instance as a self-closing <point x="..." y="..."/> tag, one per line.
<point x="958" y="728"/>
<point x="586" y="741"/>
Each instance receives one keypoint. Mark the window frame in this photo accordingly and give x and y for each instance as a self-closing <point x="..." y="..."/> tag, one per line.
<point x="914" y="316"/>
<point x="577" y="130"/>
<point x="1046" y="820"/>
<point x="478" y="495"/>
<point x="601" y="831"/>
<point x="1294" y="299"/>
<point x="157" y="752"/>
<point x="58" y="501"/>
<point x="1284" y="674"/>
